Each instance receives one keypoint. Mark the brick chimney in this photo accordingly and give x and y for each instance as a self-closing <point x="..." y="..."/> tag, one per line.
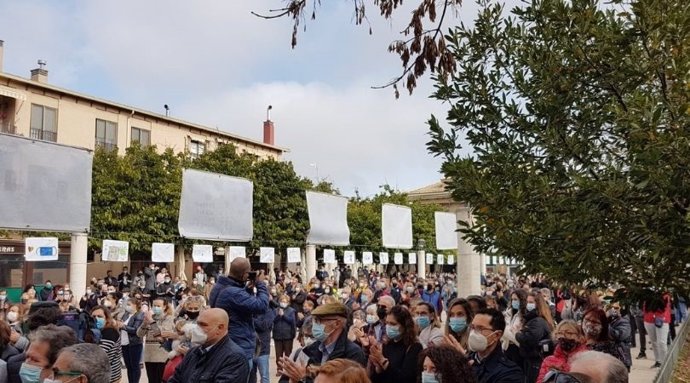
<point x="40" y="74"/>
<point x="269" y="133"/>
<point x="2" y="43"/>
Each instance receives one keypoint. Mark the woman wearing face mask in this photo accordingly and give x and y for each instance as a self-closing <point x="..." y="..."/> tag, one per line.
<point x="459" y="319"/>
<point x="157" y="329"/>
<point x="514" y="320"/>
<point x="428" y="325"/>
<point x="444" y="364"/>
<point x="569" y="340"/>
<point x="110" y="340"/>
<point x="537" y="327"/>
<point x="284" y="327"/>
<point x="14" y="318"/>
<point x="595" y="325"/>
<point x="132" y="346"/>
<point x="191" y="308"/>
<point x="396" y="361"/>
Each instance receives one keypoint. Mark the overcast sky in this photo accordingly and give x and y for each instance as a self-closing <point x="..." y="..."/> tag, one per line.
<point x="216" y="64"/>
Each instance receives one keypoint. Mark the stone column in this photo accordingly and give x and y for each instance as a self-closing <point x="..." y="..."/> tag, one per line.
<point x="181" y="262"/>
<point x="77" y="264"/>
<point x="468" y="267"/>
<point x="482" y="259"/>
<point x="311" y="262"/>
<point x="421" y="264"/>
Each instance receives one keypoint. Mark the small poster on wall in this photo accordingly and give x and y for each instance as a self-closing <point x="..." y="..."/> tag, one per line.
<point x="451" y="259"/>
<point x="41" y="249"/>
<point x="429" y="259"/>
<point x="412" y="258"/>
<point x="383" y="258"/>
<point x="294" y="255"/>
<point x="398" y="258"/>
<point x="329" y="256"/>
<point x="439" y="259"/>
<point x="237" y="252"/>
<point x="349" y="257"/>
<point x="115" y="251"/>
<point x="367" y="258"/>
<point x="202" y="253"/>
<point x="267" y="254"/>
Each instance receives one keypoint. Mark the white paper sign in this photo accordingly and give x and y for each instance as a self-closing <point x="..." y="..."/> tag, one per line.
<point x="163" y="252"/>
<point x="451" y="259"/>
<point x="327" y="219"/>
<point x="216" y="207"/>
<point x="429" y="259"/>
<point x="349" y="257"/>
<point x="396" y="226"/>
<point x="501" y="261"/>
<point x="43" y="186"/>
<point x="398" y="258"/>
<point x="267" y="254"/>
<point x="202" y="253"/>
<point x="383" y="258"/>
<point x="294" y="255"/>
<point x="439" y="259"/>
<point x="237" y="252"/>
<point x="329" y="256"/>
<point x="115" y="251"/>
<point x="412" y="258"/>
<point x="367" y="258"/>
<point x="41" y="249"/>
<point x="446" y="235"/>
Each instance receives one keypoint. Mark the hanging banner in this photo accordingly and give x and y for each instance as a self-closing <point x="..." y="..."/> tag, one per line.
<point x="383" y="258"/>
<point x="294" y="255"/>
<point x="41" y="249"/>
<point x="267" y="254"/>
<point x="398" y="258"/>
<point x="429" y="259"/>
<point x="202" y="253"/>
<point x="44" y="186"/>
<point x="215" y="207"/>
<point x="451" y="259"/>
<point x="115" y="251"/>
<point x="367" y="258"/>
<point x="349" y="257"/>
<point x="162" y="252"/>
<point x="327" y="219"/>
<point x="446" y="234"/>
<point x="237" y="252"/>
<point x="439" y="259"/>
<point x="396" y="226"/>
<point x="329" y="256"/>
<point x="412" y="258"/>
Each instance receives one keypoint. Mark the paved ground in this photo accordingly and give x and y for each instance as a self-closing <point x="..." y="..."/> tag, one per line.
<point x="641" y="371"/>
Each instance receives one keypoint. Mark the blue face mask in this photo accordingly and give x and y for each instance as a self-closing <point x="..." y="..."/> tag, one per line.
<point x="457" y="324"/>
<point x="157" y="310"/>
<point x="515" y="305"/>
<point x="428" y="377"/>
<point x="531" y="306"/>
<point x="393" y="332"/>
<point x="423" y="321"/>
<point x="30" y="374"/>
<point x="363" y="298"/>
<point x="318" y="331"/>
<point x="100" y="323"/>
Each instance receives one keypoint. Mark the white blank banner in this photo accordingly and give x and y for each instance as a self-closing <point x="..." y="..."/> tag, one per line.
<point x="163" y="252"/>
<point x="44" y="186"/>
<point x="396" y="226"/>
<point x="215" y="207"/>
<point x="202" y="253"/>
<point x="237" y="252"/>
<point x="446" y="226"/>
<point x="327" y="219"/>
<point x="267" y="254"/>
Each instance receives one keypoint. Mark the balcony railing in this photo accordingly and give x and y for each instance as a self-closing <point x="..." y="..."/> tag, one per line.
<point x="8" y="128"/>
<point x="45" y="135"/>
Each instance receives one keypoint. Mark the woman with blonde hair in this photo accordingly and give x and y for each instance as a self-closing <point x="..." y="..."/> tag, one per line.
<point x="341" y="371"/>
<point x="570" y="340"/>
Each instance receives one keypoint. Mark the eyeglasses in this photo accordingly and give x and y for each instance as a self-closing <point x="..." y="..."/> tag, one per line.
<point x="480" y="329"/>
<point x="554" y="376"/>
<point x="70" y="374"/>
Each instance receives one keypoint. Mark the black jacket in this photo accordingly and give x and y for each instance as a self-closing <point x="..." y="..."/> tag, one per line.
<point x="343" y="349"/>
<point x="534" y="330"/>
<point x="284" y="326"/>
<point x="263" y="323"/>
<point x="224" y="363"/>
<point x="496" y="368"/>
<point x="402" y="366"/>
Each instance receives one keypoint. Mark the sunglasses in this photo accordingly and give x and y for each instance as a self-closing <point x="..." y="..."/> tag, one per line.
<point x="554" y="376"/>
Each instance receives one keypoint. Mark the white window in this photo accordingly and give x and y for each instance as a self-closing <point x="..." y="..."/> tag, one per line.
<point x="43" y="123"/>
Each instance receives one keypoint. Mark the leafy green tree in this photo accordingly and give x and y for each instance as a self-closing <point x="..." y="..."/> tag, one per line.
<point x="578" y="116"/>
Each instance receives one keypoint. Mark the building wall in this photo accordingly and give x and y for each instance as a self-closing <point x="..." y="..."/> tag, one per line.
<point x="77" y="116"/>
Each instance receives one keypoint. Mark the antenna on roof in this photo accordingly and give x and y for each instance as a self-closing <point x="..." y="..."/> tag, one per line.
<point x="268" y="112"/>
<point x="167" y="110"/>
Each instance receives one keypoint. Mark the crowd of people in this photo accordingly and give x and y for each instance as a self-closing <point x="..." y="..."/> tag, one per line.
<point x="339" y="327"/>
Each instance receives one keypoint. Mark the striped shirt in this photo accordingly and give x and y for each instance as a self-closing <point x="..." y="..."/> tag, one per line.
<point x="110" y="343"/>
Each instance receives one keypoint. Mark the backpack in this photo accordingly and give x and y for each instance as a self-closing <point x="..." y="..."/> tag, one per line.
<point x="87" y="332"/>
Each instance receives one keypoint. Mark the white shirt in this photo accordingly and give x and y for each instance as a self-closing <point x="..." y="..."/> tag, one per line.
<point x="430" y="336"/>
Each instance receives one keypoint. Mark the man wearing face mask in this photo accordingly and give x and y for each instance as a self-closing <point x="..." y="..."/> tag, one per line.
<point x="329" y="330"/>
<point x="241" y="298"/>
<point x="46" y="343"/>
<point x="166" y="290"/>
<point x="489" y="363"/>
<point x="216" y="358"/>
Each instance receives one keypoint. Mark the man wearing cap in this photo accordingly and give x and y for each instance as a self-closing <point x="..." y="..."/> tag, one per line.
<point x="329" y="332"/>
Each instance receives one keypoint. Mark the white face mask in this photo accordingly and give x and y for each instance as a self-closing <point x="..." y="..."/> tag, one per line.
<point x="199" y="337"/>
<point x="12" y="316"/>
<point x="477" y="342"/>
<point x="283" y="305"/>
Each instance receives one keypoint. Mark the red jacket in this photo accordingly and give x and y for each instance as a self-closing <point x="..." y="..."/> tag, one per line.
<point x="558" y="361"/>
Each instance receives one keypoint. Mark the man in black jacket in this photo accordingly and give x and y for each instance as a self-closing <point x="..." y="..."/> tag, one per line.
<point x="217" y="358"/>
<point x="330" y="332"/>
<point x="489" y="363"/>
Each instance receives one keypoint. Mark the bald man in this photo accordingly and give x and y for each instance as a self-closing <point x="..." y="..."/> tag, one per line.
<point x="600" y="367"/>
<point x="241" y="299"/>
<point x="216" y="358"/>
